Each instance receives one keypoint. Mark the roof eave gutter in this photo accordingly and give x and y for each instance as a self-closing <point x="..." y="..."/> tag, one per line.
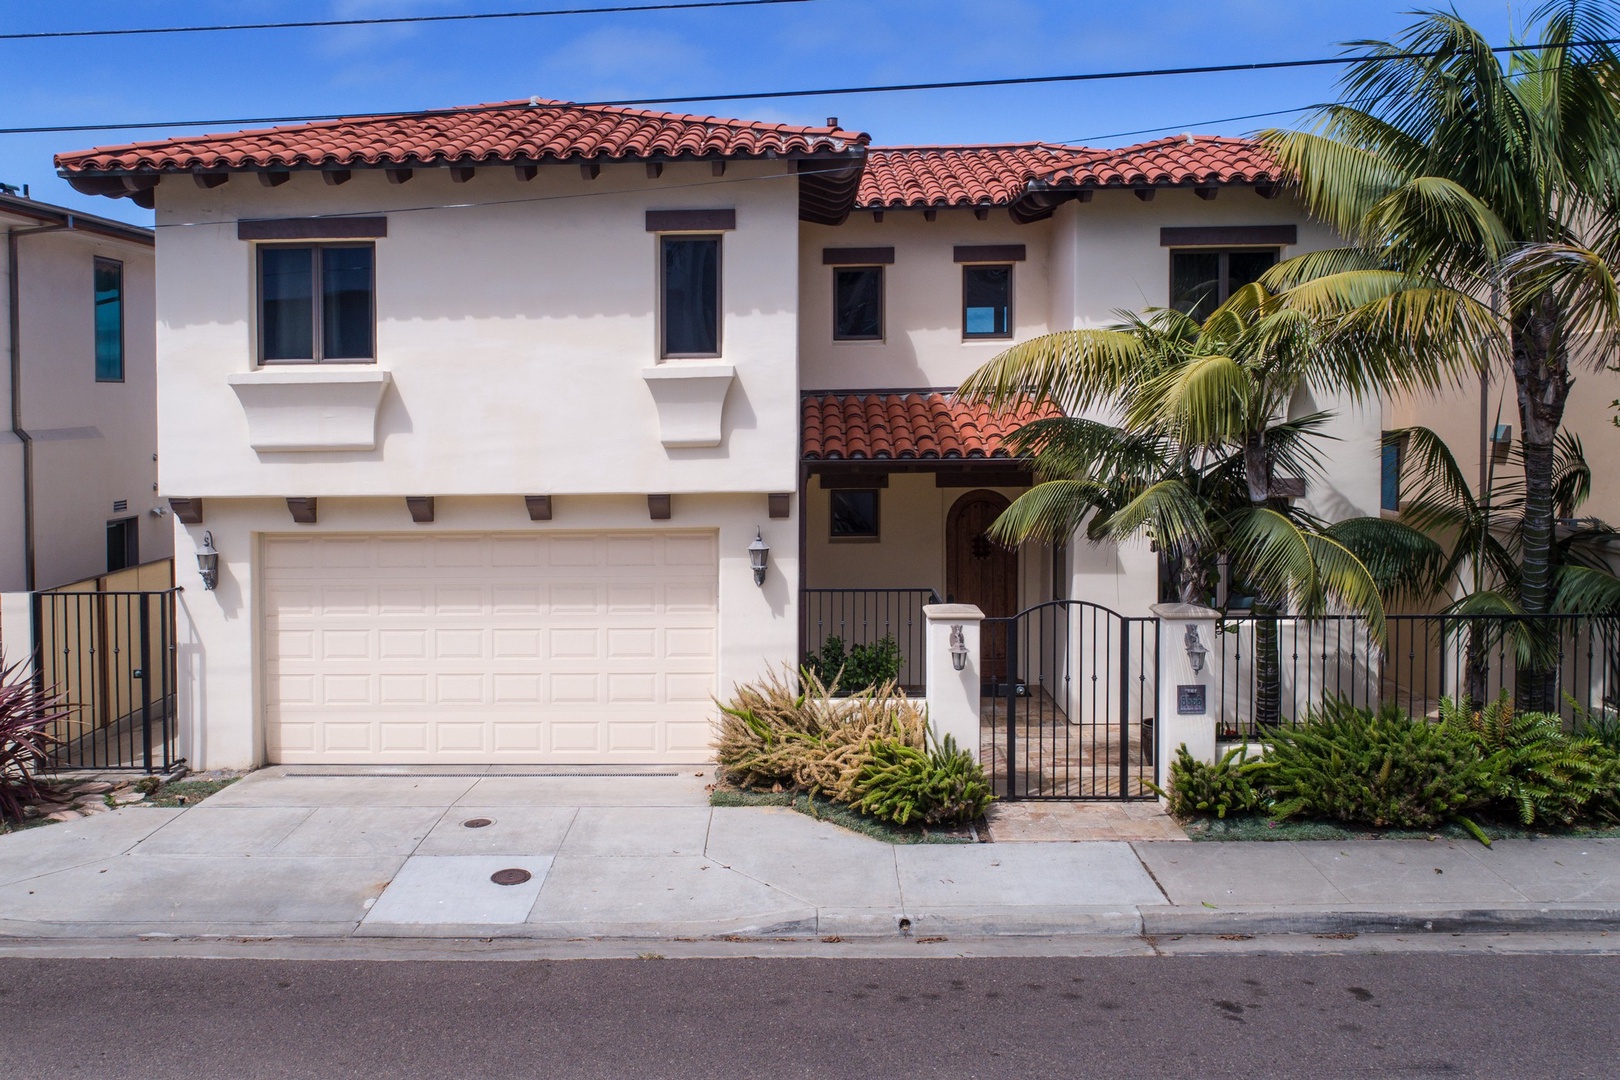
<point x="14" y="343"/>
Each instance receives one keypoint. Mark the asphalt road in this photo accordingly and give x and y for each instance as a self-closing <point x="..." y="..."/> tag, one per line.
<point x="1250" y="1016"/>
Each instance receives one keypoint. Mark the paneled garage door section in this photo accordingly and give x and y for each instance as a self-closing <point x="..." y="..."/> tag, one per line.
<point x="512" y="649"/>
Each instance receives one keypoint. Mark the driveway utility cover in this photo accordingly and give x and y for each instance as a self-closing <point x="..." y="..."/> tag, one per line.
<point x="438" y="889"/>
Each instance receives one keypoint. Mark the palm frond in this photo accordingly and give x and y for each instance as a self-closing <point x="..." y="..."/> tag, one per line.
<point x="1048" y="513"/>
<point x="1074" y="369"/>
<point x="1405" y="562"/>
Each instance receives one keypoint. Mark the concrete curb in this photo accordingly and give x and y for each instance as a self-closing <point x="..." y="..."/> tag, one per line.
<point x="1528" y="918"/>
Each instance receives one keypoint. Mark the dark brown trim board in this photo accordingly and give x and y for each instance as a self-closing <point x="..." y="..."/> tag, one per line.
<point x="867" y="256"/>
<point x="830" y="480"/>
<point x="539" y="507"/>
<point x="778" y="504"/>
<point x="328" y="228"/>
<point x="691" y="220"/>
<point x="658" y="507"/>
<point x="421" y="508"/>
<point x="989" y="253"/>
<point x="1230" y="236"/>
<point x="187" y="511"/>
<point x="302" y="510"/>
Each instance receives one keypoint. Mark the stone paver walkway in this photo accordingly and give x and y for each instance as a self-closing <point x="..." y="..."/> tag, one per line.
<point x="1021" y="822"/>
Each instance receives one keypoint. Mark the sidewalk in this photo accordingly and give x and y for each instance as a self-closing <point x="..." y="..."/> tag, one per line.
<point x="290" y="852"/>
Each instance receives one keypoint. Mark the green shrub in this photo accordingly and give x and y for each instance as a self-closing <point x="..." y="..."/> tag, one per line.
<point x="861" y="667"/>
<point x="1198" y="789"/>
<point x="1548" y="776"/>
<point x="1383" y="768"/>
<point x="773" y="736"/>
<point x="941" y="786"/>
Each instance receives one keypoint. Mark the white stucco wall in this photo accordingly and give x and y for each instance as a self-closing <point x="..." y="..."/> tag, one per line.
<point x="93" y="441"/>
<point x="220" y="652"/>
<point x="516" y="329"/>
<point x="923" y="344"/>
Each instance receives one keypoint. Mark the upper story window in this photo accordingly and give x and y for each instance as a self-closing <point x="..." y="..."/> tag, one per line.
<point x="690" y="269"/>
<point x="986" y="301"/>
<point x="858" y="303"/>
<point x="1202" y="279"/>
<point x="109" y="320"/>
<point x="317" y="303"/>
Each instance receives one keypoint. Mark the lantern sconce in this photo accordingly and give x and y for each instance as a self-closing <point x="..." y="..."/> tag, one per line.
<point x="208" y="562"/>
<point x="1195" y="650"/>
<point x="959" y="649"/>
<point x="759" y="556"/>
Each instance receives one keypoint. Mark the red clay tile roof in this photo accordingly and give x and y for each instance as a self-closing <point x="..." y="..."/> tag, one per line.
<point x="853" y="427"/>
<point x="1179" y="159"/>
<point x="504" y="132"/>
<point x="921" y="176"/>
<point x="928" y="176"/>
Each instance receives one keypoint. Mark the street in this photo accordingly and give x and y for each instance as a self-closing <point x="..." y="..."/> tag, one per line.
<point x="1232" y="1015"/>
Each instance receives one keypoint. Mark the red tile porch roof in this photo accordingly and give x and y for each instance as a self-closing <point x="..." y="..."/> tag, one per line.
<point x="923" y="176"/>
<point x="878" y="427"/>
<point x="1180" y="160"/>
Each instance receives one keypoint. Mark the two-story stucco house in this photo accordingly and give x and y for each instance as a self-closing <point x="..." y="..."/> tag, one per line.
<point x="78" y="471"/>
<point x="489" y="412"/>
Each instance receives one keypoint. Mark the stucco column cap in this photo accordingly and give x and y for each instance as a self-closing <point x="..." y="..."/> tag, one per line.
<point x="952" y="613"/>
<point x="1184" y="612"/>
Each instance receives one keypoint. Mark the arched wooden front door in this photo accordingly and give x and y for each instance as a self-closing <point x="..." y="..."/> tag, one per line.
<point x="979" y="571"/>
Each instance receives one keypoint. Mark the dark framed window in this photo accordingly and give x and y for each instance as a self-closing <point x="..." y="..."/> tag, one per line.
<point x="317" y="303"/>
<point x="857" y="303"/>
<point x="123" y="544"/>
<point x="1390" y="475"/>
<point x="109" y="320"/>
<point x="1202" y="279"/>
<point x="986" y="301"/>
<point x="854" y="514"/>
<point x="690" y="272"/>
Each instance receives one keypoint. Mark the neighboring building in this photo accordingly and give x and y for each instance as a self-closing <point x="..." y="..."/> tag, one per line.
<point x="484" y="409"/>
<point x="78" y="464"/>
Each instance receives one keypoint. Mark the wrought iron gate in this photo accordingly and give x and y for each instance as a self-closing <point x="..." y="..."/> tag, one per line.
<point x="1073" y="717"/>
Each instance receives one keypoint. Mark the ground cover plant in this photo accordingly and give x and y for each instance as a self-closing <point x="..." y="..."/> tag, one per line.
<point x="870" y="751"/>
<point x="1486" y="772"/>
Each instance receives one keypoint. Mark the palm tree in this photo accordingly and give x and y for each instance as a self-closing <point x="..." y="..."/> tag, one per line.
<point x="1484" y="540"/>
<point x="1489" y="193"/>
<point x="1192" y="455"/>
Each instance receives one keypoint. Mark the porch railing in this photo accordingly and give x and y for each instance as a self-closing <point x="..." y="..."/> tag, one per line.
<point x="867" y="616"/>
<point x="1275" y="670"/>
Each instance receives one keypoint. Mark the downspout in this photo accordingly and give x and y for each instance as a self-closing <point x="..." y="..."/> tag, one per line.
<point x="14" y="342"/>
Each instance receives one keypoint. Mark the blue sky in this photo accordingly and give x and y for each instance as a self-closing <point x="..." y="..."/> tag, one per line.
<point x="644" y="55"/>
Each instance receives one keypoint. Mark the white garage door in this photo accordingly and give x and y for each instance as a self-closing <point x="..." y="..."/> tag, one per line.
<point x="508" y="648"/>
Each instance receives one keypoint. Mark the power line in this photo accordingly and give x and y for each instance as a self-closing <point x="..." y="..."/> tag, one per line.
<point x="1187" y="125"/>
<point x="958" y="84"/>
<point x="392" y="20"/>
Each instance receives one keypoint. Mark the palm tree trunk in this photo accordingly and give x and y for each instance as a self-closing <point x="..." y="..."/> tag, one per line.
<point x="1541" y="371"/>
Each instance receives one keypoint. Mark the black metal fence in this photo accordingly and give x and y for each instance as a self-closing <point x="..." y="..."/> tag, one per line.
<point x="1071" y="715"/>
<point x="111" y="655"/>
<point x="865" y="617"/>
<point x="1271" y="670"/>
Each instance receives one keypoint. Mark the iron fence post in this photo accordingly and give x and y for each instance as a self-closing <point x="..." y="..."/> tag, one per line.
<point x="1124" y="708"/>
<point x="1012" y="706"/>
<point x="144" y="678"/>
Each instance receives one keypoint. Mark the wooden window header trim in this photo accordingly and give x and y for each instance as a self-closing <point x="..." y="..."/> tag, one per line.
<point x="1230" y="236"/>
<point x="854" y="256"/>
<point x="326" y="228"/>
<point x="989" y="253"/>
<point x="691" y="220"/>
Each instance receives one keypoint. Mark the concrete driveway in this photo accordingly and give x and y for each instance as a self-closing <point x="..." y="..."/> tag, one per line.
<point x="311" y="852"/>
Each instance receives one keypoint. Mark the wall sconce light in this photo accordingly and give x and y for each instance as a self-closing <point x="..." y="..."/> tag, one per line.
<point x="1195" y="650"/>
<point x="208" y="562"/>
<point x="759" y="556"/>
<point x="959" y="649"/>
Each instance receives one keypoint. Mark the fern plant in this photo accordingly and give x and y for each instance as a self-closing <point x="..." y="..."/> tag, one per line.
<point x="1198" y="789"/>
<point x="1549" y="776"/>
<point x="941" y="786"/>
<point x="1383" y="768"/>
<point x="858" y="667"/>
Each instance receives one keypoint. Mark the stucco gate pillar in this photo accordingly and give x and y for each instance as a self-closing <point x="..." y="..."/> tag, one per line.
<point x="1187" y="698"/>
<point x="952" y="695"/>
